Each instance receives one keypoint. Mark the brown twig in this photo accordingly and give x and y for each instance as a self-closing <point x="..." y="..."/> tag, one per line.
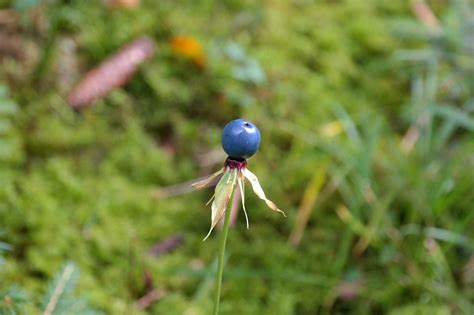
<point x="412" y="135"/>
<point x="167" y="245"/>
<point x="426" y="16"/>
<point x="150" y="298"/>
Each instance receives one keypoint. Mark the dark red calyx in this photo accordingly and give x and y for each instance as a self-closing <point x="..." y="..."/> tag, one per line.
<point x="235" y="163"/>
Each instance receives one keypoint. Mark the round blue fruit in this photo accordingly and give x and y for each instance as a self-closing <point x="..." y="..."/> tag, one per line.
<point x="240" y="139"/>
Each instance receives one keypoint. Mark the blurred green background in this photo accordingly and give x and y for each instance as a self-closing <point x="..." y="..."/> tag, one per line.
<point x="366" y="114"/>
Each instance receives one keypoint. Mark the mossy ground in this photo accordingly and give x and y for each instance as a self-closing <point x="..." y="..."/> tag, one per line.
<point x="390" y="231"/>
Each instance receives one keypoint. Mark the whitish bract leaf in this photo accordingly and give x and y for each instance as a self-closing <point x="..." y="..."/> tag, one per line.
<point x="241" y="181"/>
<point x="259" y="191"/>
<point x="222" y="195"/>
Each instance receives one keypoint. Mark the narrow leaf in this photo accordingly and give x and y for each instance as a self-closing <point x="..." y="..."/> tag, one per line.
<point x="240" y="181"/>
<point x="452" y="113"/>
<point x="203" y="183"/>
<point x="310" y="196"/>
<point x="64" y="283"/>
<point x="257" y="189"/>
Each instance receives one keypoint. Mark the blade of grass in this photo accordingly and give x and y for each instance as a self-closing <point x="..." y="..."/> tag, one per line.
<point x="310" y="196"/>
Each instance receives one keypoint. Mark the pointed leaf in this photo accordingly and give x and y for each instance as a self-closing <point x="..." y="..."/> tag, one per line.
<point x="222" y="195"/>
<point x="259" y="191"/>
<point x="203" y="183"/>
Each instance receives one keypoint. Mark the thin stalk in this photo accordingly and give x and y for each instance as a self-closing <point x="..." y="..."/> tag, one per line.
<point x="220" y="262"/>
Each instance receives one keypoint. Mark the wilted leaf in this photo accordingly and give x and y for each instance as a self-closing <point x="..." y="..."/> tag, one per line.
<point x="259" y="191"/>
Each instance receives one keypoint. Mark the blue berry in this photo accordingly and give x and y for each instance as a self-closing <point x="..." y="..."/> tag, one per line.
<point x="240" y="139"/>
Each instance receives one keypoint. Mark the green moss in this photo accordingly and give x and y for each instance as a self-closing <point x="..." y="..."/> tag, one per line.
<point x="78" y="186"/>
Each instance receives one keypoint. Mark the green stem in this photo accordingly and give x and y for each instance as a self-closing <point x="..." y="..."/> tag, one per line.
<point x="220" y="263"/>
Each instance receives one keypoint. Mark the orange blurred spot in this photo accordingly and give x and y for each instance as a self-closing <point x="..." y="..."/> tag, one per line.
<point x="190" y="48"/>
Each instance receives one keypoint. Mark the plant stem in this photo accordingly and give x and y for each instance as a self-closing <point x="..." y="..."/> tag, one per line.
<point x="220" y="262"/>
